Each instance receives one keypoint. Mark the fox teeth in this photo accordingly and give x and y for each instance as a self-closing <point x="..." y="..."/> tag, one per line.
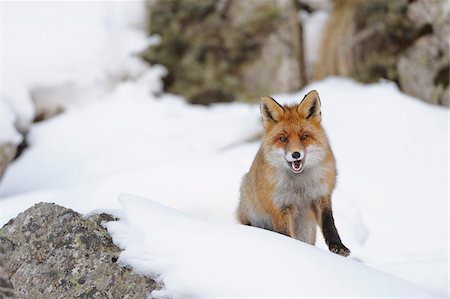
<point x="296" y="165"/>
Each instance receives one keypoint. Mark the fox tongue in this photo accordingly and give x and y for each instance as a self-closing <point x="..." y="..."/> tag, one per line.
<point x="296" y="165"/>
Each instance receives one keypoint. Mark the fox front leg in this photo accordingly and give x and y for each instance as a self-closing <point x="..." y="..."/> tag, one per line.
<point x="284" y="221"/>
<point x="329" y="230"/>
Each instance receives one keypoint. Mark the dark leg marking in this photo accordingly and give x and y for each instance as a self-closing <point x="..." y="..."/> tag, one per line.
<point x="331" y="234"/>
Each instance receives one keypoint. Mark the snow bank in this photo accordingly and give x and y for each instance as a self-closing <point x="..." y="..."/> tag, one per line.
<point x="390" y="205"/>
<point x="58" y="53"/>
<point x="392" y="154"/>
<point x="202" y="259"/>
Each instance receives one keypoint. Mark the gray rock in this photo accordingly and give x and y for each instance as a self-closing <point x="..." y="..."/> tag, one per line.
<point x="6" y="287"/>
<point x="423" y="69"/>
<point x="399" y="40"/>
<point x="220" y="51"/>
<point x="279" y="68"/>
<point x="49" y="251"/>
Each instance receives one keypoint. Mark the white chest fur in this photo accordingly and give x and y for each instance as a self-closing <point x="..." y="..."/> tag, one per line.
<point x="299" y="189"/>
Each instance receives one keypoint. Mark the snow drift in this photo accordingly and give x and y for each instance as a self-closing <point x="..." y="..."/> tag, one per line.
<point x="390" y="213"/>
<point x="203" y="259"/>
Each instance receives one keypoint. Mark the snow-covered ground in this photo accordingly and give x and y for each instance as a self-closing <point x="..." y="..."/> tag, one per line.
<point x="186" y="162"/>
<point x="213" y="260"/>
<point x="56" y="53"/>
<point x="391" y="204"/>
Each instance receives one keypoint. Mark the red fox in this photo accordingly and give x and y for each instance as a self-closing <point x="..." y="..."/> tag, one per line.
<point x="289" y="185"/>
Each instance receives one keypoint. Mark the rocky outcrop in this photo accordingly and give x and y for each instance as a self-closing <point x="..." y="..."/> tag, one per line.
<point x="49" y="251"/>
<point x="6" y="287"/>
<point x="279" y="65"/>
<point x="400" y="40"/>
<point x="223" y="50"/>
<point x="423" y="68"/>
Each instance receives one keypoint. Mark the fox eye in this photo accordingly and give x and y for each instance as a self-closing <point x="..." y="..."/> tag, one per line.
<point x="283" y="139"/>
<point x="304" y="137"/>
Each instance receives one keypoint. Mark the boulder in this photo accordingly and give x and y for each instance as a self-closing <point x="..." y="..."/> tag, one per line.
<point x="279" y="66"/>
<point x="399" y="40"/>
<point x="423" y="69"/>
<point x="220" y="51"/>
<point x="49" y="251"/>
<point x="6" y="287"/>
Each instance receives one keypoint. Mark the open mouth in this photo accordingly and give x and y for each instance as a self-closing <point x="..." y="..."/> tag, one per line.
<point x="296" y="166"/>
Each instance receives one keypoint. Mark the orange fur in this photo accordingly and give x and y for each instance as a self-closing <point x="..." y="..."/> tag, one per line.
<point x="275" y="197"/>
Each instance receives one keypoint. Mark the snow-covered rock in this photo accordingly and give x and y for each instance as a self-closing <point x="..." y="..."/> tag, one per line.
<point x="51" y="59"/>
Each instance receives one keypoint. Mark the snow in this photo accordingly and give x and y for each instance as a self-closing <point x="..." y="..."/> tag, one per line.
<point x="44" y="66"/>
<point x="214" y="260"/>
<point x="120" y="134"/>
<point x="390" y="211"/>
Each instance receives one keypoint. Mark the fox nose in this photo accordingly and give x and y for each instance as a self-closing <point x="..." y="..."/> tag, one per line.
<point x="295" y="155"/>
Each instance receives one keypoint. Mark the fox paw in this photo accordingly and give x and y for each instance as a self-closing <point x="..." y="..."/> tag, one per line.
<point x="340" y="249"/>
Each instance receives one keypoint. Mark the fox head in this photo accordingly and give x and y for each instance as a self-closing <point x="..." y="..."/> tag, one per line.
<point x="294" y="138"/>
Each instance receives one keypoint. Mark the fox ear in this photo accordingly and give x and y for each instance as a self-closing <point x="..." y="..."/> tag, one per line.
<point x="271" y="111"/>
<point x="309" y="107"/>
